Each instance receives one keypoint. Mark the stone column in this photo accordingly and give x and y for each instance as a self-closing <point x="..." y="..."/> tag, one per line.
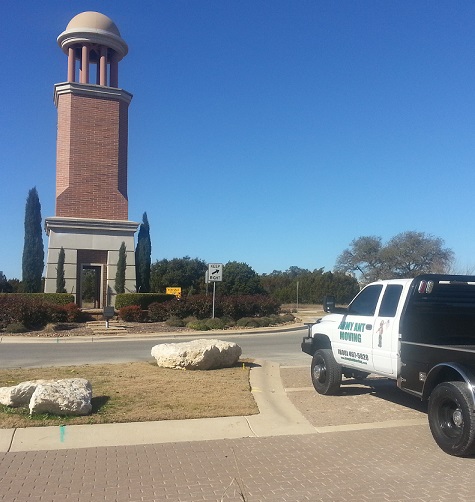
<point x="71" y="65"/>
<point x="84" y="64"/>
<point x="103" y="66"/>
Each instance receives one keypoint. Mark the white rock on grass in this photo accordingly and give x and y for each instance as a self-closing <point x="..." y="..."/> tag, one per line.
<point x="19" y="395"/>
<point x="200" y="354"/>
<point x="70" y="396"/>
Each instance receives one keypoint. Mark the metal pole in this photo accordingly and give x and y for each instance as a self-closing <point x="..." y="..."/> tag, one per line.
<point x="297" y="296"/>
<point x="214" y="295"/>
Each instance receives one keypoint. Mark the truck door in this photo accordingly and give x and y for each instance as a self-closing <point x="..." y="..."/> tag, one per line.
<point x="355" y="342"/>
<point x="385" y="331"/>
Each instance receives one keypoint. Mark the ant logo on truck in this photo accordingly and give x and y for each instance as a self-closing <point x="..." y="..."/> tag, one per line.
<point x="380" y="331"/>
<point x="351" y="331"/>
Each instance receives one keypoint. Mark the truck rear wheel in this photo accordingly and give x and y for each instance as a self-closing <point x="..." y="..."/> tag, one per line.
<point x="451" y="418"/>
<point x="326" y="372"/>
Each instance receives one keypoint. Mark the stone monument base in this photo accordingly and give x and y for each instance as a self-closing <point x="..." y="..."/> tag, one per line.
<point x="91" y="249"/>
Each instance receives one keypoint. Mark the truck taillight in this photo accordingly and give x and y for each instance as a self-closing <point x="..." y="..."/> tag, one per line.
<point x="426" y="287"/>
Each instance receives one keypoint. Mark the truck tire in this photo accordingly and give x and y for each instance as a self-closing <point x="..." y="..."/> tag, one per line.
<point x="326" y="372"/>
<point x="451" y="418"/>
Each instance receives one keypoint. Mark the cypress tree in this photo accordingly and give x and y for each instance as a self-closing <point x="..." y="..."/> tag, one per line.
<point x="33" y="251"/>
<point x="143" y="256"/>
<point x="60" y="281"/>
<point x="121" y="266"/>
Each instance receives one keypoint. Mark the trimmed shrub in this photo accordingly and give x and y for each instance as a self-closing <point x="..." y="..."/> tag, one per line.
<point x="133" y="313"/>
<point x="264" y="321"/>
<point x="215" y="323"/>
<point x="228" y="322"/>
<point x="199" y="325"/>
<point x="241" y="306"/>
<point x="53" y="298"/>
<point x="287" y="318"/>
<point x="175" y="322"/>
<point x="143" y="300"/>
<point x="248" y="322"/>
<point x="16" y="327"/>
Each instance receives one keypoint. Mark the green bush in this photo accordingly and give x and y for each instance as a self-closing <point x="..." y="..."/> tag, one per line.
<point x="248" y="322"/>
<point x="16" y="327"/>
<point x="200" y="307"/>
<point x="199" y="325"/>
<point x="158" y="312"/>
<point x="175" y="322"/>
<point x="264" y="322"/>
<point x="228" y="322"/>
<point x="53" y="298"/>
<point x="133" y="313"/>
<point x="215" y="323"/>
<point x="143" y="300"/>
<point x="241" y="306"/>
<point x="287" y="318"/>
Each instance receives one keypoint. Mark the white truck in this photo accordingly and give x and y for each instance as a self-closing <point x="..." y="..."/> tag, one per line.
<point x="419" y="332"/>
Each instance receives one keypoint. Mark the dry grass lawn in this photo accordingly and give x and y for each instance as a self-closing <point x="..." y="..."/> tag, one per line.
<point x="140" y="392"/>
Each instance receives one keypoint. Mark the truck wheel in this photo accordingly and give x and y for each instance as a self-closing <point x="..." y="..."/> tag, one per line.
<point x="326" y="372"/>
<point x="451" y="418"/>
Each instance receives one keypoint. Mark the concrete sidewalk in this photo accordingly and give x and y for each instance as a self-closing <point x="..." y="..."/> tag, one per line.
<point x="277" y="417"/>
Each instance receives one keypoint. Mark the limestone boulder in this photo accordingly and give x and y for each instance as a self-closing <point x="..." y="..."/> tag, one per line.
<point x="71" y="396"/>
<point x="200" y="354"/>
<point x="19" y="395"/>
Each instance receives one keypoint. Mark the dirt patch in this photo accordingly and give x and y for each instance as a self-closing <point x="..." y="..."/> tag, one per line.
<point x="141" y="392"/>
<point x="81" y="329"/>
<point x="371" y="400"/>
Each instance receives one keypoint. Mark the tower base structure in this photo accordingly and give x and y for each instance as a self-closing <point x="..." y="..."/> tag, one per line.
<point x="91" y="249"/>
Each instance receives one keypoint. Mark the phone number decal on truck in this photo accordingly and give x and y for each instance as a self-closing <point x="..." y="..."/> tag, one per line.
<point x="356" y="357"/>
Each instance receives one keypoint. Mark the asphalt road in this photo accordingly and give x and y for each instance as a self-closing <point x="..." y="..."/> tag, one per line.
<point x="282" y="347"/>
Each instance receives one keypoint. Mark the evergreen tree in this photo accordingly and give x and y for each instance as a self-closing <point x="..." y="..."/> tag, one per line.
<point x="5" y="286"/>
<point x="143" y="256"/>
<point x="60" y="281"/>
<point x="240" y="279"/>
<point x="121" y="266"/>
<point x="33" y="251"/>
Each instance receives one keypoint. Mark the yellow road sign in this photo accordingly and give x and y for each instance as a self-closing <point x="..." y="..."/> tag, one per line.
<point x="174" y="291"/>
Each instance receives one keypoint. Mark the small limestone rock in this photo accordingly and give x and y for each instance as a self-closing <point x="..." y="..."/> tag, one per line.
<point x="70" y="396"/>
<point x="19" y="395"/>
<point x="200" y="354"/>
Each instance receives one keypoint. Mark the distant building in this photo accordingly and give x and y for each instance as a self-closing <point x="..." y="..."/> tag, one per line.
<point x="91" y="217"/>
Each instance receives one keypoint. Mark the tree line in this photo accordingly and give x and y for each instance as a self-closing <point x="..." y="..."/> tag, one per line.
<point x="366" y="259"/>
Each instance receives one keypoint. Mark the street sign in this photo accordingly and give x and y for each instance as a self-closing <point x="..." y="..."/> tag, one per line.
<point x="215" y="272"/>
<point x="174" y="291"/>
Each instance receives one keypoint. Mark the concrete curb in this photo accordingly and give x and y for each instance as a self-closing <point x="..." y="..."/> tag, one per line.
<point x="146" y="336"/>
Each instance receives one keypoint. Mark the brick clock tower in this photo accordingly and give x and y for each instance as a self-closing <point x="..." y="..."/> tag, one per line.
<point x="91" y="219"/>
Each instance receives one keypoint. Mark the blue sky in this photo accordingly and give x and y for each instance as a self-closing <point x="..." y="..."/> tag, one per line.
<point x="268" y="132"/>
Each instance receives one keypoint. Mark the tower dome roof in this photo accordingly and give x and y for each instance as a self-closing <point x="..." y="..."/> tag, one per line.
<point x="95" y="28"/>
<point x="93" y="21"/>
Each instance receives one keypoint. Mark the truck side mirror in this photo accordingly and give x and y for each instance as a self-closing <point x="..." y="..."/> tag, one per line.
<point x="329" y="303"/>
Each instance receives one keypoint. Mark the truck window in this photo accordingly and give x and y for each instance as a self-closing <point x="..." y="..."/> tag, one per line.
<point x="390" y="300"/>
<point x="365" y="303"/>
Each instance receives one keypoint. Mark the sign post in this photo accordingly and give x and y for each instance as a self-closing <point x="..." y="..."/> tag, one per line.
<point x="215" y="274"/>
